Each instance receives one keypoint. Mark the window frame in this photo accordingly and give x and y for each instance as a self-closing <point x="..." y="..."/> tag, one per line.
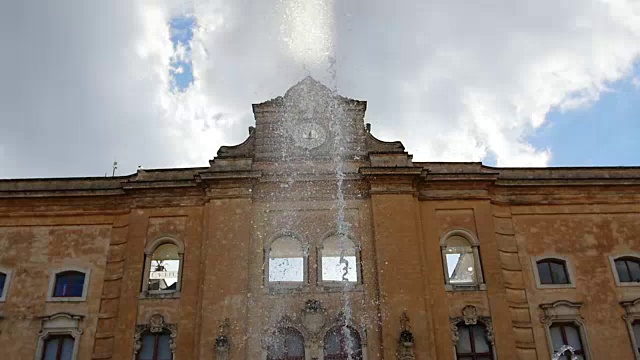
<point x="635" y="342"/>
<point x="557" y="258"/>
<point x="59" y="324"/>
<point x="7" y="283"/>
<point x="474" y="354"/>
<point x="358" y="267"/>
<point x="156" y="338"/>
<point x="471" y="316"/>
<point x="336" y="327"/>
<point x="60" y="344"/>
<point x="478" y="283"/>
<point x="614" y="269"/>
<point x="53" y="277"/>
<point x="564" y="311"/>
<point x="148" y="255"/>
<point x="155" y="325"/>
<point x="563" y="325"/>
<point x="631" y="316"/>
<point x="289" y="329"/>
<point x="304" y="246"/>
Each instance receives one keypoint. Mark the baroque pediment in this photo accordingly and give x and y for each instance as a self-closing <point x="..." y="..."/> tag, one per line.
<point x="310" y="121"/>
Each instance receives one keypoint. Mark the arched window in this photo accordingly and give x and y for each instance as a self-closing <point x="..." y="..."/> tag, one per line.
<point x="286" y="344"/>
<point x="155" y="346"/>
<point x="628" y="269"/>
<point x="564" y="334"/>
<point x="342" y="343"/>
<point x="163" y="267"/>
<point x="68" y="285"/>
<point x="552" y="271"/>
<point x="473" y="343"/>
<point x="461" y="259"/>
<point x="58" y="347"/>
<point x="287" y="261"/>
<point x="339" y="260"/>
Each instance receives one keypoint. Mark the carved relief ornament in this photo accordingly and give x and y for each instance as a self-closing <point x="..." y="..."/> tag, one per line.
<point x="313" y="318"/>
<point x="405" y="349"/>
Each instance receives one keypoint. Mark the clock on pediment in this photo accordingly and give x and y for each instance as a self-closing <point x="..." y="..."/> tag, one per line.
<point x="309" y="135"/>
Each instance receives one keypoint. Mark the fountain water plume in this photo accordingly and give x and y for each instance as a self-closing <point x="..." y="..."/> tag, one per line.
<point x="307" y="30"/>
<point x="562" y="352"/>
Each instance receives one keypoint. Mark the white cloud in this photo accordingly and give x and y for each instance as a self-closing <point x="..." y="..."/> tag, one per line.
<point x="453" y="80"/>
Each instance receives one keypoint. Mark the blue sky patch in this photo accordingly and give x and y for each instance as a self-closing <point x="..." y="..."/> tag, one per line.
<point x="181" y="70"/>
<point x="604" y="134"/>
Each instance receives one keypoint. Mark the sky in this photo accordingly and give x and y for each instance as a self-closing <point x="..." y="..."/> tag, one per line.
<point x="159" y="84"/>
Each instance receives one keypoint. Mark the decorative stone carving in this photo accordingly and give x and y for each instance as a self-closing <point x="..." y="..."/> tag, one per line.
<point x="631" y="308"/>
<point x="155" y="325"/>
<point x="470" y="317"/>
<point x="405" y="349"/>
<point x="313" y="322"/>
<point x="313" y="318"/>
<point x="561" y="310"/>
<point x="59" y="324"/>
<point x="222" y="340"/>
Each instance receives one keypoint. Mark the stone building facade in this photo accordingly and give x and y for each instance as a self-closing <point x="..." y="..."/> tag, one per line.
<point x="315" y="240"/>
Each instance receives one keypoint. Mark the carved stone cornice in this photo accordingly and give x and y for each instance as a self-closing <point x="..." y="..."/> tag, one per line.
<point x="561" y="310"/>
<point x="391" y="180"/>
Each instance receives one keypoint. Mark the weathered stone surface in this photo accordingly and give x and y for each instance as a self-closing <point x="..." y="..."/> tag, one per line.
<point x="396" y="211"/>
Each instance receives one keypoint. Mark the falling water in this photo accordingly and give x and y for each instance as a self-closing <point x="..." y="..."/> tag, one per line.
<point x="309" y="33"/>
<point x="564" y="351"/>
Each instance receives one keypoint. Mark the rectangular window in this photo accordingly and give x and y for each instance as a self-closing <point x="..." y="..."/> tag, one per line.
<point x="565" y="335"/>
<point x="58" y="347"/>
<point x="3" y="278"/>
<point x="286" y="269"/>
<point x="69" y="284"/>
<point x="335" y="268"/>
<point x="155" y="347"/>
<point x="623" y="272"/>
<point x="636" y="333"/>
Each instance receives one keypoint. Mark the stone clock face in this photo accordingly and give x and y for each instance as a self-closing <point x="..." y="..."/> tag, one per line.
<point x="309" y="135"/>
